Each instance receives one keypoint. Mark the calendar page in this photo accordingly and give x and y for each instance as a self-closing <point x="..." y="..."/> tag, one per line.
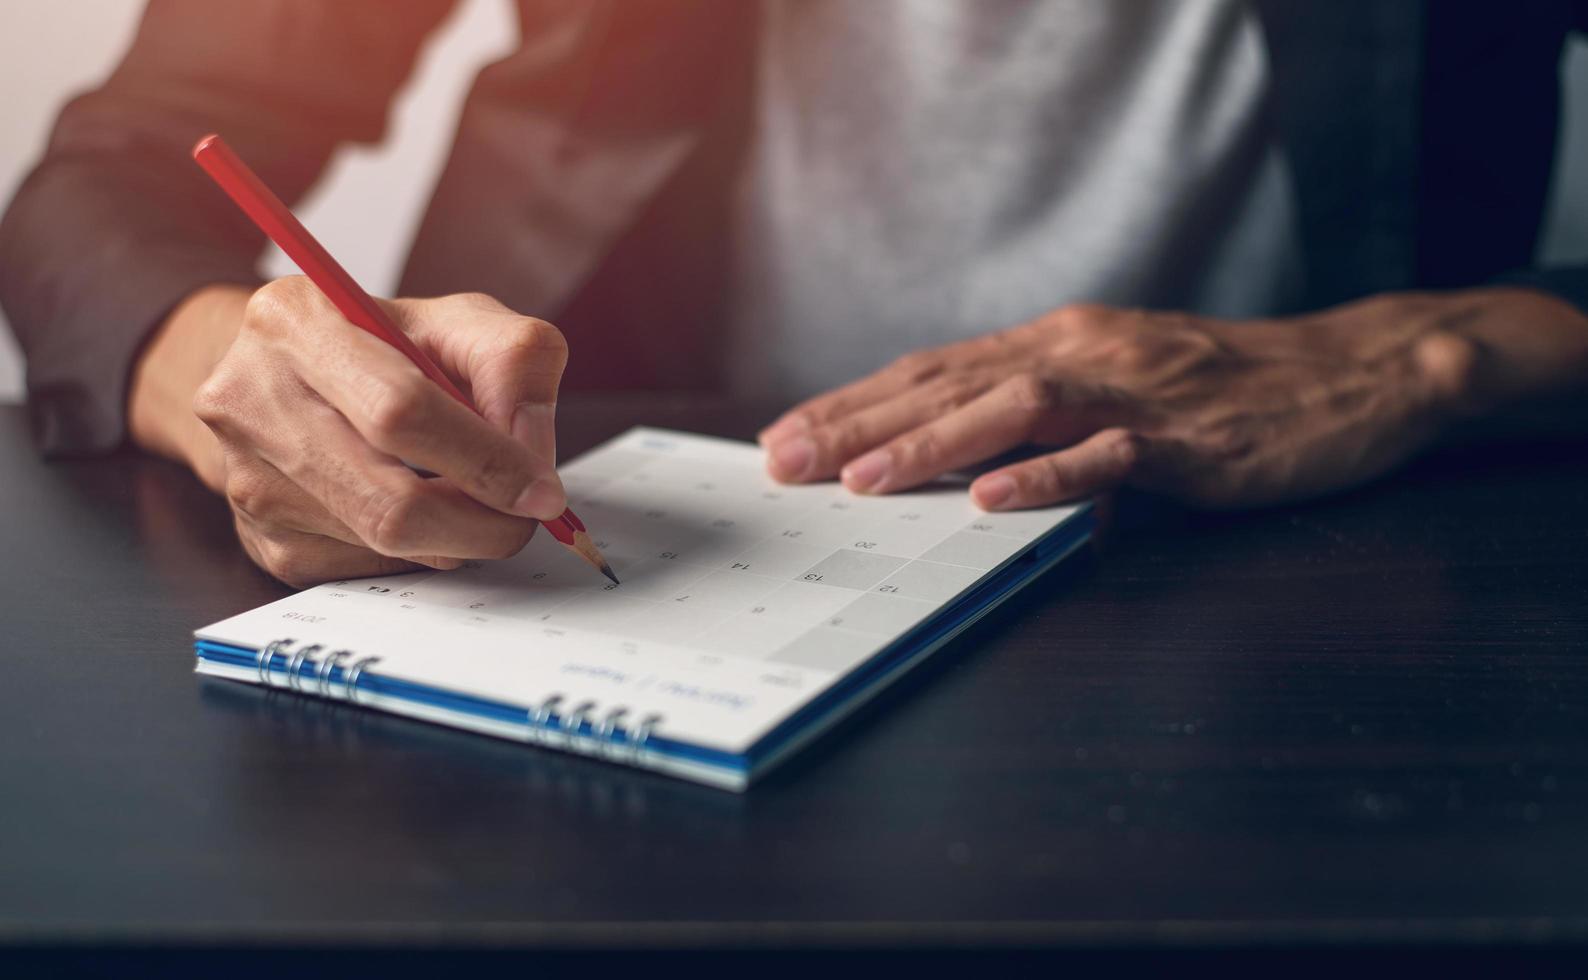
<point x="740" y="598"/>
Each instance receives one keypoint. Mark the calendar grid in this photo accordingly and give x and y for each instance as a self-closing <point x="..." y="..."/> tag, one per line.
<point x="693" y="540"/>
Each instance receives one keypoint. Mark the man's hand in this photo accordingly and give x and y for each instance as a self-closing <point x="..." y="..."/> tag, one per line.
<point x="313" y="421"/>
<point x="1215" y="413"/>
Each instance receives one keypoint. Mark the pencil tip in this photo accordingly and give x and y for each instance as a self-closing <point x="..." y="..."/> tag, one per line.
<point x="607" y="571"/>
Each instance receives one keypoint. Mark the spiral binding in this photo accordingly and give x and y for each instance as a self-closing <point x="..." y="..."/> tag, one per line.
<point x="262" y="659"/>
<point x="544" y="722"/>
<point x="573" y="721"/>
<point x="294" y="680"/>
<point x="352" y="674"/>
<point x="322" y="672"/>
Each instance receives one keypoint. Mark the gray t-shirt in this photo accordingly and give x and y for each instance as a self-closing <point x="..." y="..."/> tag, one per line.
<point x="923" y="171"/>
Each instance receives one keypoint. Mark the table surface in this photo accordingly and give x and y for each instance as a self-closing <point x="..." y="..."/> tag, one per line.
<point x="1360" y="719"/>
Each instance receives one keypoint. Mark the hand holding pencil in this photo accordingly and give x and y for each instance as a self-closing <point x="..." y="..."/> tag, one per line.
<point x="326" y="394"/>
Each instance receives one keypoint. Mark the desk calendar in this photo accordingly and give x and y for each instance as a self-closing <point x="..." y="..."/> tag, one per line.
<point x="750" y="615"/>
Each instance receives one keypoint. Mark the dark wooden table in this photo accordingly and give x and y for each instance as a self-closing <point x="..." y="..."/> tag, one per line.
<point x="1360" y="720"/>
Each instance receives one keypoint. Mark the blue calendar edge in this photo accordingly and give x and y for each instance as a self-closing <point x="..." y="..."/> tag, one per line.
<point x="805" y="724"/>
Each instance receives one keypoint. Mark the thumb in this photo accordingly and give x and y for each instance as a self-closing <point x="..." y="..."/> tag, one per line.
<point x="510" y="364"/>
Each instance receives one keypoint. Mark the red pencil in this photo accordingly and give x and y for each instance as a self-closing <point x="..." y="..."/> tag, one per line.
<point x="267" y="211"/>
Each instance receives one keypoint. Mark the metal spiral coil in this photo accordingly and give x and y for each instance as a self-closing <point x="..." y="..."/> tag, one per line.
<point x="262" y="659"/>
<point x="295" y="663"/>
<point x="322" y="674"/>
<point x="350" y="678"/>
<point x="609" y="735"/>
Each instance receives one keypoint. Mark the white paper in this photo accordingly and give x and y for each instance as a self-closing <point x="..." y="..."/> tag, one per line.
<point x="741" y="598"/>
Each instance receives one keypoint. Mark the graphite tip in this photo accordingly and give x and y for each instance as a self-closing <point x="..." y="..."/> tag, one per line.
<point x="607" y="571"/>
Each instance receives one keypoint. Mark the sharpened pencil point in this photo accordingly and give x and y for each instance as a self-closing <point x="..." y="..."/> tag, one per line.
<point x="586" y="549"/>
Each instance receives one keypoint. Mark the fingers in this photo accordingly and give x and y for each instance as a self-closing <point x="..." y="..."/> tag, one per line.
<point x="316" y="419"/>
<point x="392" y="510"/>
<point x="993" y="423"/>
<point x="402" y="414"/>
<point x="1098" y="463"/>
<point x="907" y="372"/>
<point x="1018" y="410"/>
<point x="261" y="495"/>
<point x="819" y="453"/>
<point x="300" y="559"/>
<point x="511" y="364"/>
<point x="294" y="538"/>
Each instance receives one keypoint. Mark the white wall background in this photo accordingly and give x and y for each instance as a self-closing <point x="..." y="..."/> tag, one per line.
<point x="366" y="209"/>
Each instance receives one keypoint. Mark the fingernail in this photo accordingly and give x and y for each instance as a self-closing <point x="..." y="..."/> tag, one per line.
<point x="782" y="429"/>
<point x="866" y="474"/>
<point x="792" y="458"/>
<point x="543" y="499"/>
<point x="994" y="491"/>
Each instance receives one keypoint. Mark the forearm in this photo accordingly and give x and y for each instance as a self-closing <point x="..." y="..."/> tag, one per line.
<point x="180" y="355"/>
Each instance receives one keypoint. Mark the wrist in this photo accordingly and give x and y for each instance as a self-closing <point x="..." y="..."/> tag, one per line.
<point x="177" y="359"/>
<point x="1502" y="362"/>
<point x="1523" y="344"/>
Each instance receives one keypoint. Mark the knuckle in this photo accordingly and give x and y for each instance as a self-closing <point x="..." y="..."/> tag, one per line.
<point x="248" y="492"/>
<point x="1029" y="393"/>
<point x="1080" y="315"/>
<point x="1010" y="338"/>
<point x="1127" y="448"/>
<point x="1132" y="356"/>
<point x="553" y="345"/>
<point x="263" y="308"/>
<point x="476" y="300"/>
<point x="538" y="336"/>
<point x="946" y="394"/>
<point x="278" y="303"/>
<point x="801" y="419"/>
<point x="394" y="407"/>
<point x="917" y="365"/>
<point x="921" y="448"/>
<point x="215" y="401"/>
<point x="388" y="522"/>
<point x="469" y="303"/>
<point x="841" y="437"/>
<point x="527" y="342"/>
<point x="286" y="561"/>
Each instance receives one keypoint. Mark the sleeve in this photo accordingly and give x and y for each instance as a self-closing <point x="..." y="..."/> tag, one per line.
<point x="115" y="225"/>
